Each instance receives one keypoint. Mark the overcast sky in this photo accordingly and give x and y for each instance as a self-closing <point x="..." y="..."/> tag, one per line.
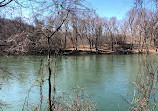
<point x="111" y="8"/>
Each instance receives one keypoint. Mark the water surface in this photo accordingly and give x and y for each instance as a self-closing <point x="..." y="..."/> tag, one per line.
<point x="104" y="77"/>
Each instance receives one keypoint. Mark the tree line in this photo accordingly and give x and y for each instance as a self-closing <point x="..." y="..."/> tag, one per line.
<point x="82" y="30"/>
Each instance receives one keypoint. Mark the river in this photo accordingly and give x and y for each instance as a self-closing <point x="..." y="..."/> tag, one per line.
<point x="105" y="78"/>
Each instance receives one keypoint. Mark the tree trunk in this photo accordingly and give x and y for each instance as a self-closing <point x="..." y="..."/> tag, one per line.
<point x="49" y="77"/>
<point x="112" y="43"/>
<point x="65" y="39"/>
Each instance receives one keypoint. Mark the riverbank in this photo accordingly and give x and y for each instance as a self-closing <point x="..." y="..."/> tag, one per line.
<point x="9" y="49"/>
<point x="81" y="51"/>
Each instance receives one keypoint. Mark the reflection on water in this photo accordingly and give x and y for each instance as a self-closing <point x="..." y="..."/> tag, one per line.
<point x="105" y="77"/>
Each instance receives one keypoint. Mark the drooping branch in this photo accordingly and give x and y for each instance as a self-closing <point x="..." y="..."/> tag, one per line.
<point x="60" y="25"/>
<point x="4" y="3"/>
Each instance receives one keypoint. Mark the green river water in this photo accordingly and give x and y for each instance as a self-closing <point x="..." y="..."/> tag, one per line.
<point x="104" y="77"/>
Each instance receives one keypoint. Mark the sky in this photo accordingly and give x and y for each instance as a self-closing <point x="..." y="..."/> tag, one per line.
<point x="105" y="8"/>
<point x="112" y="8"/>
